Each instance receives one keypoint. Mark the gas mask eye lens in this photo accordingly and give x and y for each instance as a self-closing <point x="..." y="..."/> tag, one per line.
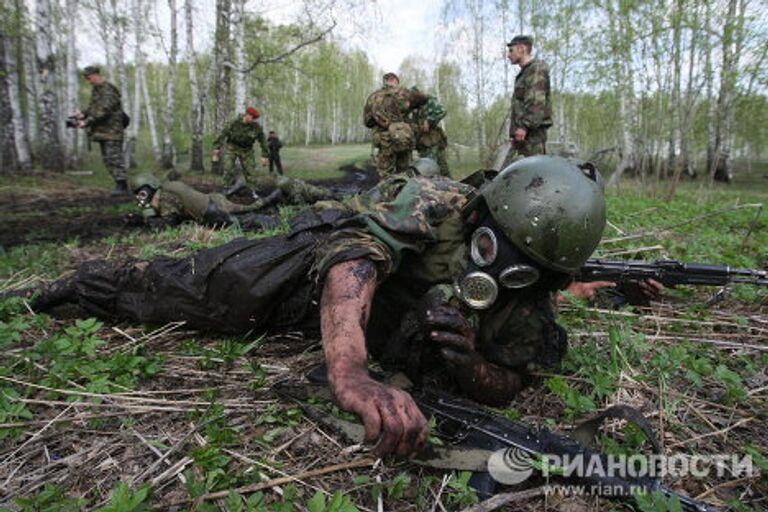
<point x="484" y="247"/>
<point x="518" y="276"/>
<point x="144" y="197"/>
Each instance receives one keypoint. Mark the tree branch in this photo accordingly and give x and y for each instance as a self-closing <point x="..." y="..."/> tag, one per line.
<point x="260" y="61"/>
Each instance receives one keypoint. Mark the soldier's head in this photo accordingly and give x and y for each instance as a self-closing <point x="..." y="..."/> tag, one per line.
<point x="92" y="75"/>
<point x="144" y="187"/>
<point x="519" y="49"/>
<point x="390" y="79"/>
<point x="251" y="115"/>
<point x="533" y="227"/>
<point x="416" y="98"/>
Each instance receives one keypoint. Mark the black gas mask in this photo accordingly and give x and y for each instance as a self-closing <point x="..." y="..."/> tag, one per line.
<point x="144" y="196"/>
<point x="494" y="261"/>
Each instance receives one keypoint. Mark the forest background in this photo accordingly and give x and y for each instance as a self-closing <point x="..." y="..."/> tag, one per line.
<point x="660" y="88"/>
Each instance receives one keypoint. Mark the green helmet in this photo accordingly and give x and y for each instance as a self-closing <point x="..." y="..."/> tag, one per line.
<point x="145" y="180"/>
<point x="426" y="167"/>
<point x="551" y="208"/>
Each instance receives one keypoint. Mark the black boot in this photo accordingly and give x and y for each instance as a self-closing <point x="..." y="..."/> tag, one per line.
<point x="121" y="189"/>
<point x="59" y="292"/>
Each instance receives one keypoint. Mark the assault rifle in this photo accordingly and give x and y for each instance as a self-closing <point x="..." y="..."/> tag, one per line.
<point x="669" y="273"/>
<point x="471" y="434"/>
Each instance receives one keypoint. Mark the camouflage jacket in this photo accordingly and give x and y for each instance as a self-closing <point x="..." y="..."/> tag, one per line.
<point x="413" y="231"/>
<point x="432" y="112"/>
<point x="104" y="115"/>
<point x="242" y="136"/>
<point x="531" y="106"/>
<point x="386" y="106"/>
<point x="178" y="201"/>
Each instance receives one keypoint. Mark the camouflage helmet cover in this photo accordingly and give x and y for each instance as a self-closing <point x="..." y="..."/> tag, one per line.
<point x="145" y="180"/>
<point x="551" y="208"/>
<point x="426" y="167"/>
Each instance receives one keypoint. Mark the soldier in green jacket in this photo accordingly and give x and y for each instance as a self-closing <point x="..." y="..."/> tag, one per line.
<point x="105" y="121"/>
<point x="240" y="135"/>
<point x="425" y="274"/>
<point x="531" y="114"/>
<point x="386" y="114"/>
<point x="431" y="141"/>
<point x="173" y="201"/>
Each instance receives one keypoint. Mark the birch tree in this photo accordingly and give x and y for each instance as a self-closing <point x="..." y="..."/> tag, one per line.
<point x="50" y="146"/>
<point x="72" y="76"/>
<point x="198" y="94"/>
<point x="14" y="144"/>
<point x="238" y="41"/>
<point x="150" y="112"/>
<point x="167" y="161"/>
<point x="138" y="71"/>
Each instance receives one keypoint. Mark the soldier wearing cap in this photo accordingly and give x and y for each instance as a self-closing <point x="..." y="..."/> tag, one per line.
<point x="240" y="135"/>
<point x="531" y="113"/>
<point x="386" y="114"/>
<point x="105" y="122"/>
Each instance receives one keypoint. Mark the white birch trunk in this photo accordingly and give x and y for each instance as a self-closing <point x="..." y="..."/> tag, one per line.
<point x="138" y="71"/>
<point x="71" y="97"/>
<point x="196" y="149"/>
<point x="308" y="125"/>
<point x="149" y="110"/>
<point x="31" y="89"/>
<point x="170" y="99"/>
<point x="238" y="22"/>
<point x="12" y="83"/>
<point x="50" y="145"/>
<point x="105" y="24"/>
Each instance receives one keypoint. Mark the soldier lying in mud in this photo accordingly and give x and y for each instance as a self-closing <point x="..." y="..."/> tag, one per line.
<point x="420" y="273"/>
<point x="171" y="202"/>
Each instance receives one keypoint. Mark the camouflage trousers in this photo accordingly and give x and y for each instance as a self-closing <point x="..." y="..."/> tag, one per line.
<point x="112" y="156"/>
<point x="436" y="153"/>
<point x="241" y="162"/>
<point x="390" y="161"/>
<point x="535" y="143"/>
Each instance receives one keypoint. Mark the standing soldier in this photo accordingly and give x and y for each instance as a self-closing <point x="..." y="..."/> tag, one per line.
<point x="274" y="143"/>
<point x="531" y="113"/>
<point x="431" y="141"/>
<point x="105" y="121"/>
<point x="385" y="113"/>
<point x="240" y="136"/>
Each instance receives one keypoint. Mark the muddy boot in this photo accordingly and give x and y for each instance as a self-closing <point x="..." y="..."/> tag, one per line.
<point x="59" y="292"/>
<point x="239" y="185"/>
<point x="121" y="189"/>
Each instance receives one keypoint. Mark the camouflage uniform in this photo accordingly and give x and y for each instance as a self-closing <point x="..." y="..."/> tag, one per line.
<point x="104" y="121"/>
<point x="178" y="202"/>
<point x="386" y="112"/>
<point x="432" y="143"/>
<point x="531" y="109"/>
<point x="292" y="190"/>
<point x="240" y="138"/>
<point x="411" y="229"/>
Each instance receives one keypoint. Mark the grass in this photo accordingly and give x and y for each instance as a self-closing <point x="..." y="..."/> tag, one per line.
<point x="131" y="392"/>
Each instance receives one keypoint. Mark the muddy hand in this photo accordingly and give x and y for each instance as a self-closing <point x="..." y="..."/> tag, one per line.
<point x="388" y="414"/>
<point x="447" y="326"/>
<point x="482" y="380"/>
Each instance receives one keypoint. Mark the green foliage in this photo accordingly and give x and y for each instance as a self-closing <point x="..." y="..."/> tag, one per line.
<point x="12" y="411"/>
<point x="51" y="499"/>
<point x="125" y="500"/>
<point x="657" y="502"/>
<point x="576" y="403"/>
<point x="72" y="356"/>
<point x="459" y="492"/>
<point x="339" y="502"/>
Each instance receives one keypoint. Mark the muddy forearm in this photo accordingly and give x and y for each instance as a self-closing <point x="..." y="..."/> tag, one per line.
<point x="344" y="310"/>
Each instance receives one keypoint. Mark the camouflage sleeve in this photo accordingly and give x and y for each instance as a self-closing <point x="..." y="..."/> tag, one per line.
<point x="398" y="215"/>
<point x="384" y="108"/>
<point x="536" y="109"/>
<point x="434" y="111"/>
<point x="223" y="136"/>
<point x="103" y="103"/>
